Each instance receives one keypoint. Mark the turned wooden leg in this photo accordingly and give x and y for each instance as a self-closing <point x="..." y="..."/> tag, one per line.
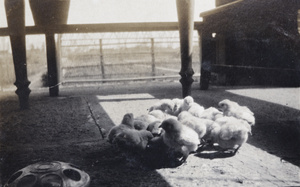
<point x="185" y="10"/>
<point x="186" y="82"/>
<point x="19" y="58"/>
<point x="15" y="13"/>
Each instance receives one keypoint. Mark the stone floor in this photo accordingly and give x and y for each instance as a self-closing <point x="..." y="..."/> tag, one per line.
<point x="62" y="129"/>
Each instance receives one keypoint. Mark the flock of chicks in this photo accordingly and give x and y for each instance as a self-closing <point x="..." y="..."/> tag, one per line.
<point x="174" y="128"/>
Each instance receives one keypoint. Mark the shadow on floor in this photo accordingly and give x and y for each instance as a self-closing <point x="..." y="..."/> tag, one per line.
<point x="61" y="129"/>
<point x="277" y="128"/>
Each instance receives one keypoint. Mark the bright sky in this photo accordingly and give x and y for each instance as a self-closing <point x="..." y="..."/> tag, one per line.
<point x="118" y="11"/>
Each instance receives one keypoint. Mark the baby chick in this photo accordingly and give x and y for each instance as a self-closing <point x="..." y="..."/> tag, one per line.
<point x="180" y="138"/>
<point x="133" y="140"/>
<point x="127" y="123"/>
<point x="140" y="125"/>
<point x="159" y="155"/>
<point x="165" y="105"/>
<point x="154" y="128"/>
<point x="230" y="133"/>
<point x="223" y="120"/>
<point x="211" y="113"/>
<point x="208" y="137"/>
<point x="141" y="122"/>
<point x="160" y="115"/>
<point x="195" y="123"/>
<point x="231" y="108"/>
<point x="192" y="107"/>
<point x="177" y="106"/>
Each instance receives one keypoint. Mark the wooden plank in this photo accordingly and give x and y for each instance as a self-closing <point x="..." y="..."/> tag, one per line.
<point x="236" y="75"/>
<point x="223" y="68"/>
<point x="96" y="28"/>
<point x="121" y="79"/>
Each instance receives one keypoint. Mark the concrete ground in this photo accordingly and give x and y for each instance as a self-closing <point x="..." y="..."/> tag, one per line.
<point x="62" y="129"/>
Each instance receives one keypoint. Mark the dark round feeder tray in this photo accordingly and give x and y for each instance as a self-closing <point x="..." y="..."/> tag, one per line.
<point x="49" y="174"/>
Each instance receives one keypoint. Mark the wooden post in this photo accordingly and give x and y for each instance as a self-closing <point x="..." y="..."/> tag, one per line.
<point x="15" y="13"/>
<point x="50" y="13"/>
<point x="153" y="57"/>
<point x="208" y="53"/>
<point x="185" y="11"/>
<point x="52" y="65"/>
<point x="58" y="57"/>
<point x="101" y="59"/>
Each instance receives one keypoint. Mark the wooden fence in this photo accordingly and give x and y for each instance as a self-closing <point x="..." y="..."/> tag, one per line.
<point x="125" y="59"/>
<point x="113" y="28"/>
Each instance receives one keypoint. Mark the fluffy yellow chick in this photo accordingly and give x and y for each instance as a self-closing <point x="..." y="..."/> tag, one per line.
<point x="165" y="105"/>
<point x="231" y="108"/>
<point x="177" y="106"/>
<point x="211" y="113"/>
<point x="195" y="123"/>
<point x="160" y="115"/>
<point x="141" y="122"/>
<point x="133" y="140"/>
<point x="230" y="133"/>
<point x="127" y="123"/>
<point x="154" y="128"/>
<point x="179" y="137"/>
<point x="192" y="107"/>
<point x="140" y="125"/>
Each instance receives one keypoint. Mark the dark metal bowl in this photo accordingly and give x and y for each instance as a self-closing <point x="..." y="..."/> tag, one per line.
<point x="49" y="174"/>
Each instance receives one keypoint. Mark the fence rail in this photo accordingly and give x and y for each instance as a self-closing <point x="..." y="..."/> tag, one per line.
<point x="104" y="27"/>
<point x="122" y="57"/>
<point x="126" y="60"/>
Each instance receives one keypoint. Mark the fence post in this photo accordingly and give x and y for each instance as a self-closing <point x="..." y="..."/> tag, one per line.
<point x="101" y="59"/>
<point x="2" y="70"/>
<point x="52" y="65"/>
<point x="153" y="57"/>
<point x="58" y="52"/>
